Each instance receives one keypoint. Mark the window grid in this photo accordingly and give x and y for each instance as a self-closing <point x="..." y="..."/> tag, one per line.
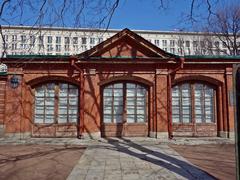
<point x="129" y="107"/>
<point x="49" y="110"/>
<point x="201" y="105"/>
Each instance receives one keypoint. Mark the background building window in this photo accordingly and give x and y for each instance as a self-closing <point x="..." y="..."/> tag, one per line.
<point x="193" y="103"/>
<point x="56" y="103"/>
<point x="58" y="40"/>
<point x="84" y="40"/>
<point x="172" y="43"/>
<point x="49" y="39"/>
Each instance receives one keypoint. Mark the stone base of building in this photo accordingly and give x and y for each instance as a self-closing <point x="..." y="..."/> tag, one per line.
<point x="158" y="135"/>
<point x="232" y="135"/>
<point x="225" y="134"/>
<point x="23" y="135"/>
<point x="94" y="135"/>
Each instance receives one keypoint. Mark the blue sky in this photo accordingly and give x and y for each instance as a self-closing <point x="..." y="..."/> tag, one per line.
<point x="145" y="14"/>
<point x="132" y="14"/>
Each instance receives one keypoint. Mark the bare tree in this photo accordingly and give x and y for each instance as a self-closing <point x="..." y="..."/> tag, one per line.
<point x="81" y="13"/>
<point x="224" y="30"/>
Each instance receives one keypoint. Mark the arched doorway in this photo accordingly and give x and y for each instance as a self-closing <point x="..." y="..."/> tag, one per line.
<point x="124" y="109"/>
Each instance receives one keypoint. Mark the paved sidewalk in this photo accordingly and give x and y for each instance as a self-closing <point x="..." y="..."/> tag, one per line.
<point x="115" y="159"/>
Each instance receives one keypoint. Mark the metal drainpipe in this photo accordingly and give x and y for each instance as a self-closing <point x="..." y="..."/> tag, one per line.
<point x="82" y="80"/>
<point x="155" y="104"/>
<point x="170" y="133"/>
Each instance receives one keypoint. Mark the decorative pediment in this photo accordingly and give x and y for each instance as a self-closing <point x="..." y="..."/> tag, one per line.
<point x="125" y="44"/>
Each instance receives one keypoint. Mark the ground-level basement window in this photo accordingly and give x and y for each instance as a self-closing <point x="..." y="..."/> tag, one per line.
<point x="56" y="103"/>
<point x="193" y="103"/>
<point x="124" y="102"/>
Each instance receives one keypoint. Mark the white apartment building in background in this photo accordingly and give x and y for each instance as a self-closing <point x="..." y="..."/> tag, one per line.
<point x="27" y="40"/>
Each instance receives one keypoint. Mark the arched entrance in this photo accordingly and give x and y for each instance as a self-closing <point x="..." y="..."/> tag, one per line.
<point x="124" y="109"/>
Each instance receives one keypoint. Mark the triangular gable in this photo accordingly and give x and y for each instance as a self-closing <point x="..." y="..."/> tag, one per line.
<point x="125" y="44"/>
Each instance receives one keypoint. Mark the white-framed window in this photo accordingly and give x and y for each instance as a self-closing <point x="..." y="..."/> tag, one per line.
<point x="172" y="43"/>
<point x="92" y="40"/>
<point x="75" y="40"/>
<point x="56" y="103"/>
<point x="58" y="48"/>
<point x="58" y="40"/>
<point x="49" y="39"/>
<point x="84" y="40"/>
<point x="172" y="50"/>
<point x="66" y="40"/>
<point x="164" y="42"/>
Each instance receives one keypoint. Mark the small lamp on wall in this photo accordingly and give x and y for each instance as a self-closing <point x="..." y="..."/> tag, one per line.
<point x="14" y="81"/>
<point x="3" y="69"/>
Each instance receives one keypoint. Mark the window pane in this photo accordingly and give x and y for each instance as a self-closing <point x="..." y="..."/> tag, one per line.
<point x="63" y="101"/>
<point x="130" y="92"/>
<point x="107" y="118"/>
<point x="209" y="118"/>
<point x="118" y="110"/>
<point x="117" y="118"/>
<point x="198" y="110"/>
<point x="118" y="85"/>
<point x="118" y="92"/>
<point x="73" y="101"/>
<point x="198" y="118"/>
<point x="141" y="110"/>
<point x="107" y="110"/>
<point x="186" y="118"/>
<point x="62" y="118"/>
<point x="175" y="91"/>
<point x="130" y="110"/>
<point x="176" y="118"/>
<point x="73" y="92"/>
<point x="175" y="110"/>
<point x="141" y="92"/>
<point x="49" y="118"/>
<point x="185" y="90"/>
<point x="39" y="118"/>
<point x="40" y="91"/>
<point x="39" y="101"/>
<point x="107" y="92"/>
<point x="131" y="101"/>
<point x="186" y="101"/>
<point x="141" y="102"/>
<point x="140" y="118"/>
<point x="39" y="110"/>
<point x="175" y="101"/>
<point x="50" y="92"/>
<point x="49" y="101"/>
<point x="208" y="91"/>
<point x="118" y="101"/>
<point x="186" y="110"/>
<point x="130" y="118"/>
<point x="72" y="118"/>
<point x="62" y="110"/>
<point x="131" y="86"/>
<point x="49" y="111"/>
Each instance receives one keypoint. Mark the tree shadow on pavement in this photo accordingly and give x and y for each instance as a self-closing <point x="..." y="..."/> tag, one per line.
<point x="168" y="162"/>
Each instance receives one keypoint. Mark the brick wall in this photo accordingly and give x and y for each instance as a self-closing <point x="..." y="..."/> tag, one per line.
<point x="2" y="100"/>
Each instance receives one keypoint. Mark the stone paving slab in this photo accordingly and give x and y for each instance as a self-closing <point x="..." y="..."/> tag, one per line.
<point x="125" y="159"/>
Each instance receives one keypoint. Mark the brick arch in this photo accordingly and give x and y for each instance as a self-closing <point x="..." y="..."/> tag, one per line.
<point x="134" y="79"/>
<point x="198" y="78"/>
<point x="44" y="79"/>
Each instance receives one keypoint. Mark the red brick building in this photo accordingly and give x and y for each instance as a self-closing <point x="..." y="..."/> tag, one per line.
<point x="124" y="86"/>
